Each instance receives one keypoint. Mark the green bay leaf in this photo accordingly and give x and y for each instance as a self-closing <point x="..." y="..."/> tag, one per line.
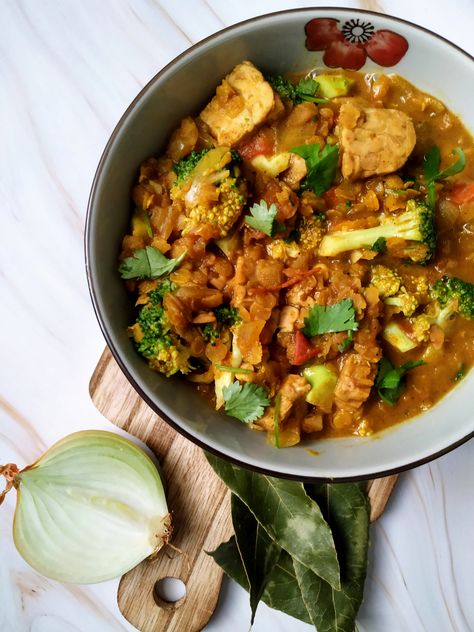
<point x="289" y="516"/>
<point x="346" y="508"/>
<point x="259" y="553"/>
<point x="281" y="592"/>
<point x="227" y="555"/>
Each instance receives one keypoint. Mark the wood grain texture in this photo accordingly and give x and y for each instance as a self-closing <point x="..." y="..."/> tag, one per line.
<point x="199" y="501"/>
<point x="379" y="491"/>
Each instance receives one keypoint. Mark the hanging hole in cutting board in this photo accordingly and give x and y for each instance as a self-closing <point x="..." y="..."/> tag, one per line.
<point x="169" y="592"/>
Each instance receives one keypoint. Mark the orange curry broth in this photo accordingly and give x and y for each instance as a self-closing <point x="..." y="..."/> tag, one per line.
<point x="434" y="125"/>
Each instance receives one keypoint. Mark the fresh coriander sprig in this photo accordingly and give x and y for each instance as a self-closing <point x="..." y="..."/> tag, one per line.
<point x="324" y="319"/>
<point x="263" y="218"/>
<point x="148" y="263"/>
<point x="304" y="90"/>
<point x="321" y="165"/>
<point x="391" y="381"/>
<point x="247" y="403"/>
<point x="346" y="343"/>
<point x="431" y="165"/>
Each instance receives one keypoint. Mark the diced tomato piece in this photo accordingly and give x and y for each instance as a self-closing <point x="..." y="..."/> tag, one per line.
<point x="258" y="145"/>
<point x="462" y="192"/>
<point x="304" y="350"/>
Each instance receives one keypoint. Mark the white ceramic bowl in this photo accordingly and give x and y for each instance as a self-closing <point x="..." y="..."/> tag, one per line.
<point x="275" y="43"/>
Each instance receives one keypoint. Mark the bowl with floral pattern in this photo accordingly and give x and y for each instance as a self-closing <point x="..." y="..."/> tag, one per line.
<point x="285" y="42"/>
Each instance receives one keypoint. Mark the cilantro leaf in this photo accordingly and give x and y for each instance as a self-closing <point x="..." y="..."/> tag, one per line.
<point x="321" y="165"/>
<point x="380" y="246"/>
<point x="456" y="167"/>
<point x="390" y="381"/>
<point x="148" y="263"/>
<point x="431" y="164"/>
<point x="306" y="89"/>
<point x="323" y="319"/>
<point x="246" y="403"/>
<point x="262" y="218"/>
<point x="346" y="343"/>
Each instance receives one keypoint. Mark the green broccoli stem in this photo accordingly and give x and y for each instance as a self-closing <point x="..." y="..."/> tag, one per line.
<point x="415" y="224"/>
<point x="343" y="241"/>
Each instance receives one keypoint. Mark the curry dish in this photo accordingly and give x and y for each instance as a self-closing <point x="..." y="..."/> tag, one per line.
<point x="303" y="252"/>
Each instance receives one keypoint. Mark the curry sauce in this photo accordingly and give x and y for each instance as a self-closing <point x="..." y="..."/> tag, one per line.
<point x="303" y="253"/>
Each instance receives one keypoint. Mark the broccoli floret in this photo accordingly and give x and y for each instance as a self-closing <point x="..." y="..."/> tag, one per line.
<point x="284" y="87"/>
<point x="415" y="225"/>
<point x="304" y="90"/>
<point x="209" y="191"/>
<point x="211" y="333"/>
<point x="455" y="294"/>
<point x="386" y="280"/>
<point x="389" y="284"/>
<point x="451" y="296"/>
<point x="311" y="231"/>
<point x="184" y="167"/>
<point x="156" y="296"/>
<point x="418" y="286"/>
<point x="403" y="301"/>
<point x="228" y="316"/>
<point x="420" y="327"/>
<point x="224" y="213"/>
<point x="154" y="337"/>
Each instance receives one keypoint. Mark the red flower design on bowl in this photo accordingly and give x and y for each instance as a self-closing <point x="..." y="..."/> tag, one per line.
<point x="349" y="46"/>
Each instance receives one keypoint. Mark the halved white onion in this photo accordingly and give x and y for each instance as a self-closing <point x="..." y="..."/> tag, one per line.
<point x="90" y="509"/>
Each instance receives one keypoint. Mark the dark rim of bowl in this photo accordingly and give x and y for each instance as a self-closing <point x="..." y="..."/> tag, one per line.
<point x="92" y="290"/>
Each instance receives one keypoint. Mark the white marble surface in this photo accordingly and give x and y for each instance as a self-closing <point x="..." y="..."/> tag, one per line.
<point x="68" y="70"/>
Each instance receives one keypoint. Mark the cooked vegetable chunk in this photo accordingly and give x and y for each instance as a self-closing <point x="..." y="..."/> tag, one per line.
<point x="415" y="226"/>
<point x="242" y="102"/>
<point x="208" y="191"/>
<point x="331" y="86"/>
<point x="155" y="338"/>
<point x="374" y="141"/>
<point x="451" y="289"/>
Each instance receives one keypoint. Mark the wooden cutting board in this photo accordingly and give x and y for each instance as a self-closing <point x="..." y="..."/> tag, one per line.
<point x="199" y="502"/>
